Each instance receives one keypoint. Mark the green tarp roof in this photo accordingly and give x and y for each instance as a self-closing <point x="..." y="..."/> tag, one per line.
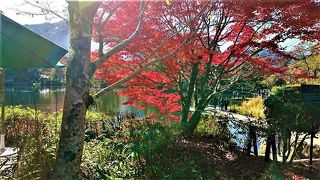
<point x="22" y="48"/>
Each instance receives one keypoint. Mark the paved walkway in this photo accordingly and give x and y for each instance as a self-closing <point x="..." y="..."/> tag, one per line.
<point x="8" y="160"/>
<point x="231" y="116"/>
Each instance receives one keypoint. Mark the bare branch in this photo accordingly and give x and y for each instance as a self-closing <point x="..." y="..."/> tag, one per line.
<point x="121" y="45"/>
<point x="45" y="9"/>
<point x="120" y="82"/>
<point x="152" y="62"/>
<point x="111" y="13"/>
<point x="102" y="22"/>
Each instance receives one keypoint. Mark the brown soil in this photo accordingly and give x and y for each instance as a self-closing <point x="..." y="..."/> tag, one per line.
<point x="215" y="162"/>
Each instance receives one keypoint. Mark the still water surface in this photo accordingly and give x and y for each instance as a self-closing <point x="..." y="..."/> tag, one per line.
<point x="50" y="100"/>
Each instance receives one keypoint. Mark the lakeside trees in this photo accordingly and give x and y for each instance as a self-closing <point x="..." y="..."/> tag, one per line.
<point x="204" y="47"/>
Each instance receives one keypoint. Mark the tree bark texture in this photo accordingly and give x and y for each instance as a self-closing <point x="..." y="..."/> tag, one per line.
<point x="68" y="159"/>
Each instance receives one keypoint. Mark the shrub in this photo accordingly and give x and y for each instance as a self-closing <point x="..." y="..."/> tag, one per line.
<point x="254" y="108"/>
<point x="36" y="135"/>
<point x="134" y="148"/>
<point x="218" y="130"/>
<point x="108" y="159"/>
<point x="156" y="149"/>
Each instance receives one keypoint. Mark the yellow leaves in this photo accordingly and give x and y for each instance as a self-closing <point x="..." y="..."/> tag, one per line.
<point x="254" y="107"/>
<point x="168" y="2"/>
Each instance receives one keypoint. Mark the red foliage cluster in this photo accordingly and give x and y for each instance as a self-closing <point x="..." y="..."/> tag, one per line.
<point x="227" y="36"/>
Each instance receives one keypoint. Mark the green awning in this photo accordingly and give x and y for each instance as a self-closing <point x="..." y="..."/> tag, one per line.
<point x="22" y="48"/>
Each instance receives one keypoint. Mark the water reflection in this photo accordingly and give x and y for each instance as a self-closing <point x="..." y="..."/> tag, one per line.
<point x="51" y="100"/>
<point x="112" y="102"/>
<point x="47" y="100"/>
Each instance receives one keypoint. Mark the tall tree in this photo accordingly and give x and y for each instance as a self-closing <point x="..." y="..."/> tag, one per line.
<point x="70" y="148"/>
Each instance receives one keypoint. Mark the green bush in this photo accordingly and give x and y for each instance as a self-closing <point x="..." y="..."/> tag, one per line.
<point x="108" y="159"/>
<point x="156" y="149"/>
<point x="210" y="126"/>
<point x="36" y="135"/>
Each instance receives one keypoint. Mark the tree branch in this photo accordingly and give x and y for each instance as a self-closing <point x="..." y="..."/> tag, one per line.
<point x="120" y="82"/>
<point x="100" y="60"/>
<point x="43" y="10"/>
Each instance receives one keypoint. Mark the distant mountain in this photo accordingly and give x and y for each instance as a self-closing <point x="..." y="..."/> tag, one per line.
<point x="56" y="32"/>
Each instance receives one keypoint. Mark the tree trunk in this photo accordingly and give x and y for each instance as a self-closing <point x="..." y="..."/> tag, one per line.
<point x="190" y="93"/>
<point x="286" y="143"/>
<point x="311" y="151"/>
<point x="274" y="148"/>
<point x="70" y="148"/>
<point x="252" y="141"/>
<point x="267" y="153"/>
<point x="249" y="146"/>
<point x="294" y="147"/>
<point x="249" y="141"/>
<point x="255" y="145"/>
<point x="288" y="146"/>
<point x="193" y="122"/>
<point x="271" y="144"/>
<point x="298" y="147"/>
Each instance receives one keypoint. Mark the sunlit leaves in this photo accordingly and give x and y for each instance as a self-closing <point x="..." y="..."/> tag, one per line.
<point x="228" y="39"/>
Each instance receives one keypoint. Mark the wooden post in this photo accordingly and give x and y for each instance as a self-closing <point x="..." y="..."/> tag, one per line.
<point x="252" y="141"/>
<point x="271" y="144"/>
<point x="3" y="95"/>
<point x="249" y="145"/>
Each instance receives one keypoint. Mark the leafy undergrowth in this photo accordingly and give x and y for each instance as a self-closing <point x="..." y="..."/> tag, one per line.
<point x="147" y="150"/>
<point x="135" y="148"/>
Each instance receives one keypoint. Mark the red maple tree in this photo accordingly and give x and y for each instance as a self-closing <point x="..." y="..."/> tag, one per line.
<point x="225" y="41"/>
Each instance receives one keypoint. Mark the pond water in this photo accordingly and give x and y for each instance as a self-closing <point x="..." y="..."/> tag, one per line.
<point x="51" y="100"/>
